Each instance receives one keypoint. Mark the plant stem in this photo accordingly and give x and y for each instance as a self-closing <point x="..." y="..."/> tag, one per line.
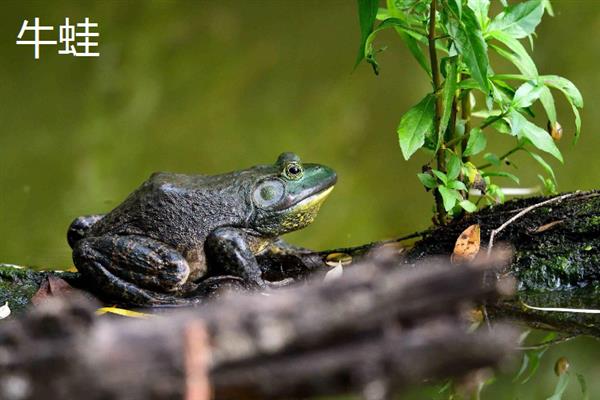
<point x="465" y="113"/>
<point x="435" y="79"/>
<point x="503" y="156"/>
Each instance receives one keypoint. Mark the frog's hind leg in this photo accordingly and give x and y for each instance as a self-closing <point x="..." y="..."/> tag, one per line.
<point x="134" y="270"/>
<point x="80" y="227"/>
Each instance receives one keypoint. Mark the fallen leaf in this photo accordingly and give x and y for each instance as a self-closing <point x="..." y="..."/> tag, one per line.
<point x="547" y="226"/>
<point x="334" y="259"/>
<point x="467" y="245"/>
<point x="52" y="286"/>
<point x="123" y="312"/>
<point x="4" y="311"/>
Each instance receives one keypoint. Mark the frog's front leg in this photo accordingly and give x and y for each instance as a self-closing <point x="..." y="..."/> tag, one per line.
<point x="134" y="269"/>
<point x="228" y="251"/>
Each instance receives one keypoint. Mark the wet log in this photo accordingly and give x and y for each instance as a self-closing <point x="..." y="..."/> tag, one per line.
<point x="375" y="330"/>
<point x="556" y="257"/>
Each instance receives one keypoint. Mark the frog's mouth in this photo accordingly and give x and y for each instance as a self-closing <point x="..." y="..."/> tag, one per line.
<point x="312" y="201"/>
<point x="304" y="212"/>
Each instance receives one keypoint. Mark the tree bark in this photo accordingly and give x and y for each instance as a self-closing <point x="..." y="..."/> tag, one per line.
<point x="375" y="330"/>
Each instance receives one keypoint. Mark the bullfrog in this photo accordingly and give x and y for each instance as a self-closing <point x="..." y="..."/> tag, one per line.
<point x="177" y="232"/>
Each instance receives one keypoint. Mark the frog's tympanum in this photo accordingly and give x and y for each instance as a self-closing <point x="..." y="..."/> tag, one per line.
<point x="177" y="231"/>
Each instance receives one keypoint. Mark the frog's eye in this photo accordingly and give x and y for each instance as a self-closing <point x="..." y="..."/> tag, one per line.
<point x="293" y="170"/>
<point x="268" y="193"/>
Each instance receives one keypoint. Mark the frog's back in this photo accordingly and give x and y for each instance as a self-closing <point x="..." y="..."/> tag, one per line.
<point x="179" y="209"/>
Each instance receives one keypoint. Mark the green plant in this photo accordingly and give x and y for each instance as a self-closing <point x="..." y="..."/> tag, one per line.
<point x="451" y="39"/>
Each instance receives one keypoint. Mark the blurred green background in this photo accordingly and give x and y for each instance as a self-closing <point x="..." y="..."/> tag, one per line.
<point x="208" y="87"/>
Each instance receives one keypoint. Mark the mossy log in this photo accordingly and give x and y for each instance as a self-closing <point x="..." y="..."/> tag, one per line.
<point x="556" y="257"/>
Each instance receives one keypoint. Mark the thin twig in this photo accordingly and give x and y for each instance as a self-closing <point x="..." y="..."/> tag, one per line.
<point x="538" y="346"/>
<point x="503" y="156"/>
<point x="522" y="213"/>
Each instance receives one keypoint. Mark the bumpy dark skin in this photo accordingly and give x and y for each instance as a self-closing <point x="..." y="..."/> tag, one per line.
<point x="178" y="235"/>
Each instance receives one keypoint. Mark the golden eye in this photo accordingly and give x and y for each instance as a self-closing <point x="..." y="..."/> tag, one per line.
<point x="293" y="171"/>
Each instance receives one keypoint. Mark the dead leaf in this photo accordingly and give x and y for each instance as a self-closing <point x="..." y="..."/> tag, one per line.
<point x="467" y="245"/>
<point x="122" y="312"/>
<point x="334" y="259"/>
<point x="52" y="286"/>
<point x="547" y="226"/>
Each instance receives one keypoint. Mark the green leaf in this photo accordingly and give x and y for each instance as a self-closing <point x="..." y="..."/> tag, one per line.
<point x="571" y="93"/>
<point x="548" y="7"/>
<point x="469" y="42"/>
<point x="412" y="42"/>
<point x="502" y="93"/>
<point x="453" y="167"/>
<point x="492" y="159"/>
<point x="476" y="143"/>
<point x="543" y="163"/>
<point x="503" y="175"/>
<point x="383" y="14"/>
<point x="536" y="135"/>
<point x="534" y="357"/>
<point x="415" y="124"/>
<point x="566" y="86"/>
<point x="548" y="184"/>
<point x="406" y="32"/>
<point x="456" y="7"/>
<point x="523" y="368"/>
<point x="577" y="122"/>
<point x="561" y="386"/>
<point x="415" y="50"/>
<point x="458" y="185"/>
<point x="449" y="197"/>
<point x="480" y="8"/>
<point x="468" y="83"/>
<point x="468" y="206"/>
<point x="519" y="20"/>
<point x="367" y="12"/>
<point x="448" y="93"/>
<point x="547" y="101"/>
<point x="441" y="176"/>
<point x="583" y="386"/>
<point x="427" y="180"/>
<point x="369" y="51"/>
<point x="517" y="55"/>
<point x="526" y="95"/>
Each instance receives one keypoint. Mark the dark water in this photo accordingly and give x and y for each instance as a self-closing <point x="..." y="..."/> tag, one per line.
<point x="206" y="87"/>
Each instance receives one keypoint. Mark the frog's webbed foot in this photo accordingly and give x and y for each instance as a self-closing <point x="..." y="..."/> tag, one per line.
<point x="132" y="269"/>
<point x="228" y="252"/>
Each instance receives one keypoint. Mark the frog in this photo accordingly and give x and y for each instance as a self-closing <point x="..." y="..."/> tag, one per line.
<point x="178" y="234"/>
